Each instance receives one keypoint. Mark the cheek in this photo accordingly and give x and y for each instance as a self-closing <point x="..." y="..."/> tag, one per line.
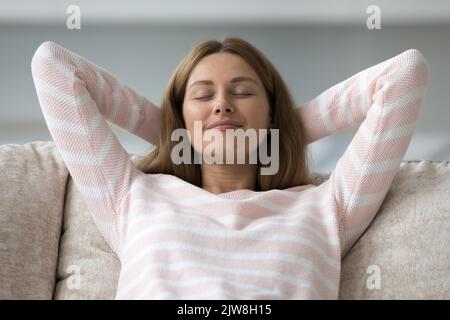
<point x="256" y="115"/>
<point x="191" y="113"/>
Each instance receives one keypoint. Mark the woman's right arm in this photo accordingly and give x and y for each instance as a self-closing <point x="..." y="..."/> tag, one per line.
<point x="76" y="98"/>
<point x="385" y="100"/>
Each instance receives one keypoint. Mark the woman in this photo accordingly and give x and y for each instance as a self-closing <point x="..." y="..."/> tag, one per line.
<point x="225" y="231"/>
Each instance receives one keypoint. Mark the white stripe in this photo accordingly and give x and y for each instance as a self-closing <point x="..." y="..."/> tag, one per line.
<point x="65" y="126"/>
<point x="395" y="133"/>
<point x="386" y="135"/>
<point x="259" y="235"/>
<point x="81" y="65"/>
<point x="197" y="265"/>
<point x="291" y="212"/>
<point x="116" y="98"/>
<point x="201" y="280"/>
<point x="344" y="190"/>
<point x="86" y="159"/>
<point x="211" y="294"/>
<point x="71" y="127"/>
<point x="172" y="182"/>
<point x="365" y="168"/>
<point x="119" y="165"/>
<point x="152" y="190"/>
<point x="76" y="158"/>
<point x="177" y="246"/>
<point x="58" y="64"/>
<point x="94" y="192"/>
<point x="382" y="166"/>
<point x="400" y="102"/>
<point x="99" y="86"/>
<point x="103" y="152"/>
<point x="324" y="112"/>
<point x="55" y="92"/>
<point x="344" y="108"/>
<point x="45" y="52"/>
<point x="135" y="115"/>
<point x="94" y="160"/>
<point x="243" y="256"/>
<point x="366" y="199"/>
<point x="232" y="255"/>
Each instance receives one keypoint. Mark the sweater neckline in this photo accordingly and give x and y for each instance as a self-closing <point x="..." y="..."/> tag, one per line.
<point x="236" y="194"/>
<point x="241" y="194"/>
<point x="247" y="194"/>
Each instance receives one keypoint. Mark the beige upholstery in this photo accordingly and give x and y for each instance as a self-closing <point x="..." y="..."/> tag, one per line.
<point x="406" y="247"/>
<point x="32" y="187"/>
<point x="84" y="254"/>
<point x="409" y="239"/>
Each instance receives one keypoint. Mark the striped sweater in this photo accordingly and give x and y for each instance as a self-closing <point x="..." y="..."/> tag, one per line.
<point x="178" y="241"/>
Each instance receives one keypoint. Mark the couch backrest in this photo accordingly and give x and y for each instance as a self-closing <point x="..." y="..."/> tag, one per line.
<point x="33" y="180"/>
<point x="406" y="247"/>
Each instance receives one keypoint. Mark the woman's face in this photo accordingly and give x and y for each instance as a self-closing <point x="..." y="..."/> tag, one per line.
<point x="222" y="86"/>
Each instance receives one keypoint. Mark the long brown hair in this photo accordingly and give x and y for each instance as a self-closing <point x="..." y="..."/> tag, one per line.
<point x="293" y="153"/>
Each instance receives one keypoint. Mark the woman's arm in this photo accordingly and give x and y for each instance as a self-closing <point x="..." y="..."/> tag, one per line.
<point x="386" y="100"/>
<point x="76" y="97"/>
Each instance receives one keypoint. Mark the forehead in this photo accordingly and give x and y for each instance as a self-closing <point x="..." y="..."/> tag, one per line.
<point x="222" y="66"/>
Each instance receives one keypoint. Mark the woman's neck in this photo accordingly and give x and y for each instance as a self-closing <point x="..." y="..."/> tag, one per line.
<point x="222" y="178"/>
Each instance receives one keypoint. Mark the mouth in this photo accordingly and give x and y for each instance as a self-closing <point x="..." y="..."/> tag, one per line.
<point x="223" y="127"/>
<point x="225" y="124"/>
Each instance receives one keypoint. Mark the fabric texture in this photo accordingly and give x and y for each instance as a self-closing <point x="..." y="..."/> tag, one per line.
<point x="199" y="245"/>
<point x="32" y="185"/>
<point x="87" y="267"/>
<point x="408" y="240"/>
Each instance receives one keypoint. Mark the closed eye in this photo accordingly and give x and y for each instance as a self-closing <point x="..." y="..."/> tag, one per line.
<point x="202" y="98"/>
<point x="236" y="94"/>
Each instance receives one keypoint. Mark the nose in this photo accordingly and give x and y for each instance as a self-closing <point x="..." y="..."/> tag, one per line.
<point x="223" y="106"/>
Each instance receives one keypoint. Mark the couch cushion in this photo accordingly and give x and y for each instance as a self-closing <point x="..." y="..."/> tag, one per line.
<point x="407" y="244"/>
<point x="32" y="185"/>
<point x="87" y="267"/>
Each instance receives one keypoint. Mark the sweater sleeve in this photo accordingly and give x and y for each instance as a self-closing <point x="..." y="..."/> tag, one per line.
<point x="76" y="98"/>
<point x="385" y="99"/>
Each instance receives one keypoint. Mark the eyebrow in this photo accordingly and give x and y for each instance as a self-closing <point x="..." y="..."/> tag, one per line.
<point x="234" y="80"/>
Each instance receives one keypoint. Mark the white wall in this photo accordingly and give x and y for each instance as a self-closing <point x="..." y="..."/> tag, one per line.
<point x="311" y="12"/>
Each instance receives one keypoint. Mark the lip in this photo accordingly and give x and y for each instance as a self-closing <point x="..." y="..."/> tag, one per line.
<point x="225" y="124"/>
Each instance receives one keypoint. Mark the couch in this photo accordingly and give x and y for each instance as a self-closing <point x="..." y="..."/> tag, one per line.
<point x="51" y="249"/>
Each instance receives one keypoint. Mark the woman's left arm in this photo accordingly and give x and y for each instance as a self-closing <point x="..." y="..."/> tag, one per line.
<point x="386" y="100"/>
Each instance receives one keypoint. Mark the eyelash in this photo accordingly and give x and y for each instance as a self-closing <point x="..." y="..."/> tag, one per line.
<point x="238" y="94"/>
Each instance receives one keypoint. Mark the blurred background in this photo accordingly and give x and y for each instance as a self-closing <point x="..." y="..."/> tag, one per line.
<point x="314" y="45"/>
